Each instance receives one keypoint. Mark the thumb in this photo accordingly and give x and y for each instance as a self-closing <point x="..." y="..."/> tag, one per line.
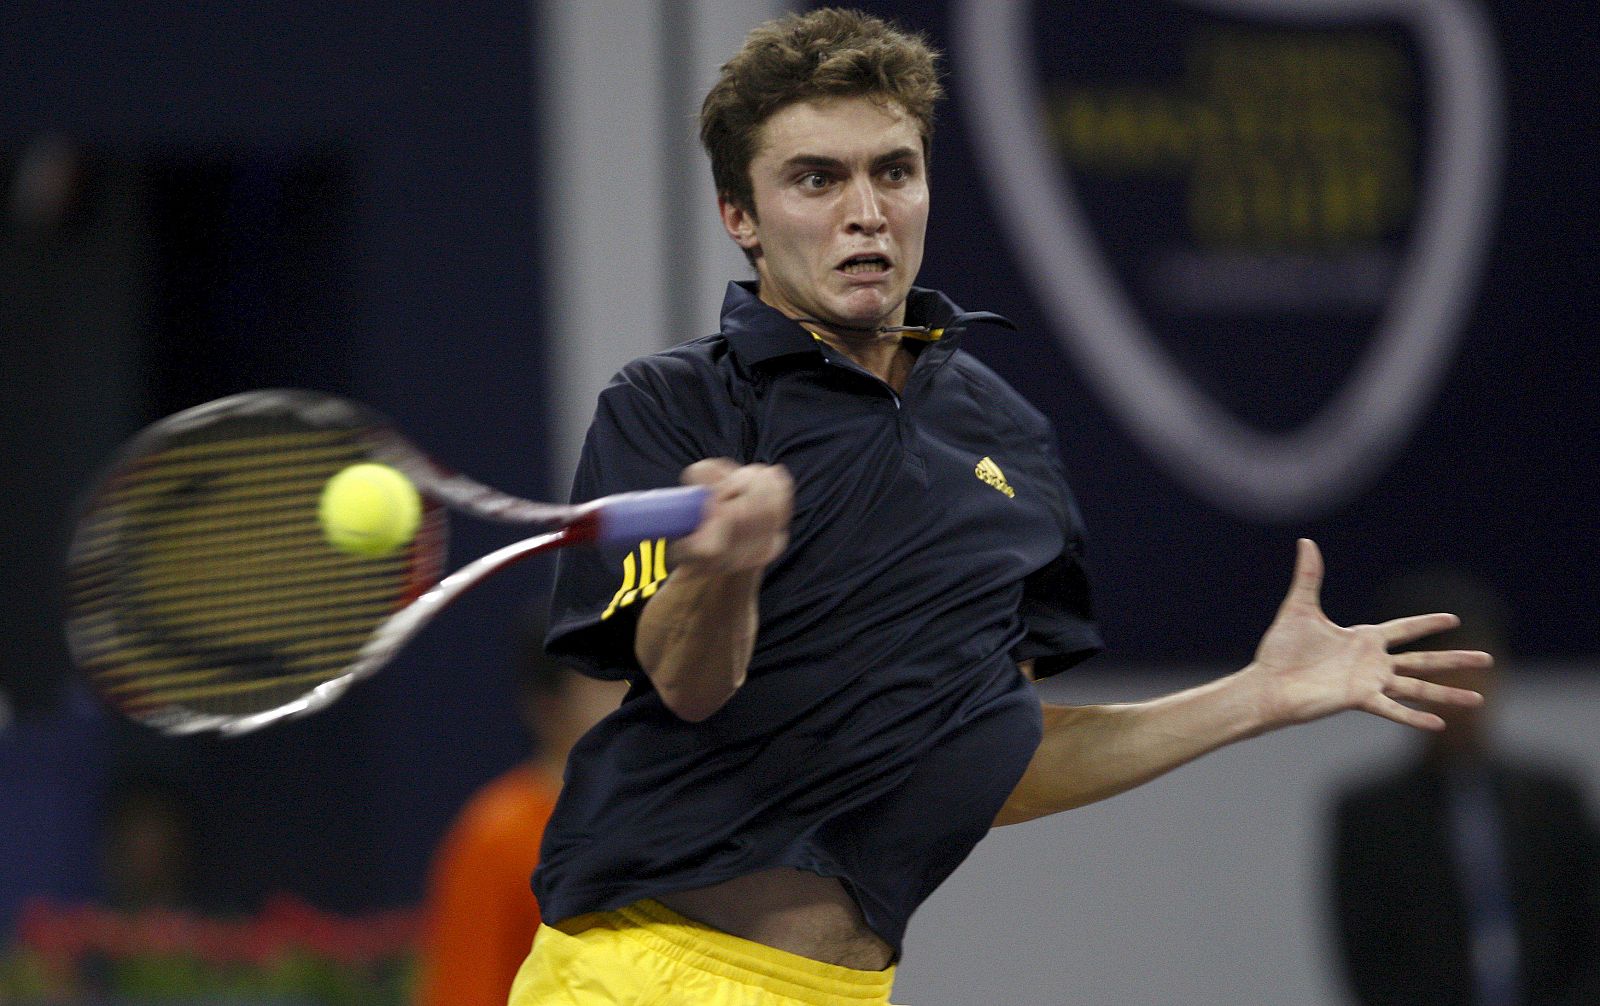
<point x="1306" y="586"/>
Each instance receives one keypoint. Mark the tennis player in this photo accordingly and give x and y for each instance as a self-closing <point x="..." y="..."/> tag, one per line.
<point x="830" y="698"/>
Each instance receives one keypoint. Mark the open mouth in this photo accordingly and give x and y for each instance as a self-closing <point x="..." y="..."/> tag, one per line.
<point x="857" y="264"/>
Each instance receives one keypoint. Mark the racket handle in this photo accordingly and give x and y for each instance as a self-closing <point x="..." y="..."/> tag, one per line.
<point x="653" y="513"/>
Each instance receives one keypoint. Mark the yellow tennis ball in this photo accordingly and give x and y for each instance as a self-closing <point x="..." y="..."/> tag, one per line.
<point x="370" y="510"/>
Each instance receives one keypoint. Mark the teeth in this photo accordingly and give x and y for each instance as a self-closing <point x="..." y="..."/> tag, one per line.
<point x="865" y="265"/>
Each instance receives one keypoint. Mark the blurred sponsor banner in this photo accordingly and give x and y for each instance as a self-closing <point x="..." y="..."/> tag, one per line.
<point x="1265" y="186"/>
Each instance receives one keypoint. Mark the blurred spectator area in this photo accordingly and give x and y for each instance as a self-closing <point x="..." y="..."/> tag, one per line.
<point x="132" y="285"/>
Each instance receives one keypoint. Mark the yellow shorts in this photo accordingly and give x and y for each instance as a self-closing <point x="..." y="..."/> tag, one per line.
<point x="647" y="955"/>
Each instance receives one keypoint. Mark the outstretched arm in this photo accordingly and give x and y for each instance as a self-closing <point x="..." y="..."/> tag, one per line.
<point x="697" y="632"/>
<point x="1306" y="667"/>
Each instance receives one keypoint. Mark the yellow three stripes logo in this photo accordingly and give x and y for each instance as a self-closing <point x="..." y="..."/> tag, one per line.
<point x="642" y="572"/>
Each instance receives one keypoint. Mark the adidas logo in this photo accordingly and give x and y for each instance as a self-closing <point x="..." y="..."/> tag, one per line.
<point x="990" y="472"/>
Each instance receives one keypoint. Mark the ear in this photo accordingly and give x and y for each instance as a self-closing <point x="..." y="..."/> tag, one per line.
<point x="740" y="223"/>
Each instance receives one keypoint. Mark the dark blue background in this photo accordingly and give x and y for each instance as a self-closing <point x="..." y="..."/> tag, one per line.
<point x="431" y="119"/>
<point x="1497" y="478"/>
<point x="429" y="113"/>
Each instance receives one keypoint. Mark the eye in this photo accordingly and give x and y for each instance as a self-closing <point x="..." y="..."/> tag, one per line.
<point x="813" y="180"/>
<point x="898" y="173"/>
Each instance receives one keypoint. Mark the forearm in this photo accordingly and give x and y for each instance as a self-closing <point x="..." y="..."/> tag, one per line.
<point x="1305" y="668"/>
<point x="697" y="632"/>
<point x="695" y="638"/>
<point x="1089" y="753"/>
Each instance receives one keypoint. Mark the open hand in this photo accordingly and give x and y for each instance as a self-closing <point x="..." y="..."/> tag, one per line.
<point x="1310" y="667"/>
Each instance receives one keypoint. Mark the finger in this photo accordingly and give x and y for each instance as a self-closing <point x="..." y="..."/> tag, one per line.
<point x="1414" y="627"/>
<point x="1389" y="709"/>
<point x="707" y="472"/>
<point x="747" y="523"/>
<point x="1417" y="690"/>
<point x="754" y="478"/>
<point x="757" y="498"/>
<point x="1306" y="586"/>
<point x="769" y="483"/>
<point x="708" y="540"/>
<point x="1425" y="662"/>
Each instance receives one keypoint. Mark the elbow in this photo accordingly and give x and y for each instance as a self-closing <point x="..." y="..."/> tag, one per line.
<point x="691" y="711"/>
<point x="694" y="705"/>
<point x="1016" y="811"/>
<point x="1007" y="816"/>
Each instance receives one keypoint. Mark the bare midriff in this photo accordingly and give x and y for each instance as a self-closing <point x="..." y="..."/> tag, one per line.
<point x="791" y="910"/>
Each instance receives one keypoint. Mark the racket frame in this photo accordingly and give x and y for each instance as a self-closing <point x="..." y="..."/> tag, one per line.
<point x="625" y="517"/>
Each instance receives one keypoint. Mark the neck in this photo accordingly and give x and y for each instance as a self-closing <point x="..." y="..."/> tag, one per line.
<point x="880" y="353"/>
<point x="876" y="348"/>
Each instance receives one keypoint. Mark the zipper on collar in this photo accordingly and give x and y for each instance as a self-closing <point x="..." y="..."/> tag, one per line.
<point x="926" y="334"/>
<point x="856" y="368"/>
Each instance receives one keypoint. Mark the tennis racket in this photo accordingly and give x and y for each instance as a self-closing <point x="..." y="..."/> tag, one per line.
<point x="202" y="594"/>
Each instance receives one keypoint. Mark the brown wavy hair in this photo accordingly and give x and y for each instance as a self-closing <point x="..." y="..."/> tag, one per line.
<point x="827" y="53"/>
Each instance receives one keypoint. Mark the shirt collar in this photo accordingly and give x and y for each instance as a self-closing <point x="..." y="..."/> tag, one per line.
<point x="758" y="332"/>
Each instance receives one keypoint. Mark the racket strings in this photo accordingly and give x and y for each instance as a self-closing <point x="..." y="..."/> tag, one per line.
<point x="234" y="696"/>
<point x="258" y="515"/>
<point x="146" y="667"/>
<point x="282" y="594"/>
<point x="202" y="579"/>
<point x="256" y="578"/>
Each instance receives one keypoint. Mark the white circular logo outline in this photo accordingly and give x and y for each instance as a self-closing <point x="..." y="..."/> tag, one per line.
<point x="1276" y="477"/>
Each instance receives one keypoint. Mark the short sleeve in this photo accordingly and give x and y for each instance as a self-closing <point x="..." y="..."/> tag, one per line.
<point x="657" y="417"/>
<point x="1057" y="609"/>
<point x="1059" y="616"/>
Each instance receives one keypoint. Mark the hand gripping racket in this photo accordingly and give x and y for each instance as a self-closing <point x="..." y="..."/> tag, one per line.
<point x="202" y="594"/>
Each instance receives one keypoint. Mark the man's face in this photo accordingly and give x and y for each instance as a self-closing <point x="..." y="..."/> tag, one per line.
<point x="841" y="210"/>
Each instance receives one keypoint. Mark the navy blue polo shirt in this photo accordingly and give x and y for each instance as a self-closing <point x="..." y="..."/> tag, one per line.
<point x="883" y="721"/>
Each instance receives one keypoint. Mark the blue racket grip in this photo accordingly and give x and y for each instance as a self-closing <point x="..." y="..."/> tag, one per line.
<point x="653" y="513"/>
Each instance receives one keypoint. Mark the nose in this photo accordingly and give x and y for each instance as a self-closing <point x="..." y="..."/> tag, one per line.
<point x="864" y="210"/>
